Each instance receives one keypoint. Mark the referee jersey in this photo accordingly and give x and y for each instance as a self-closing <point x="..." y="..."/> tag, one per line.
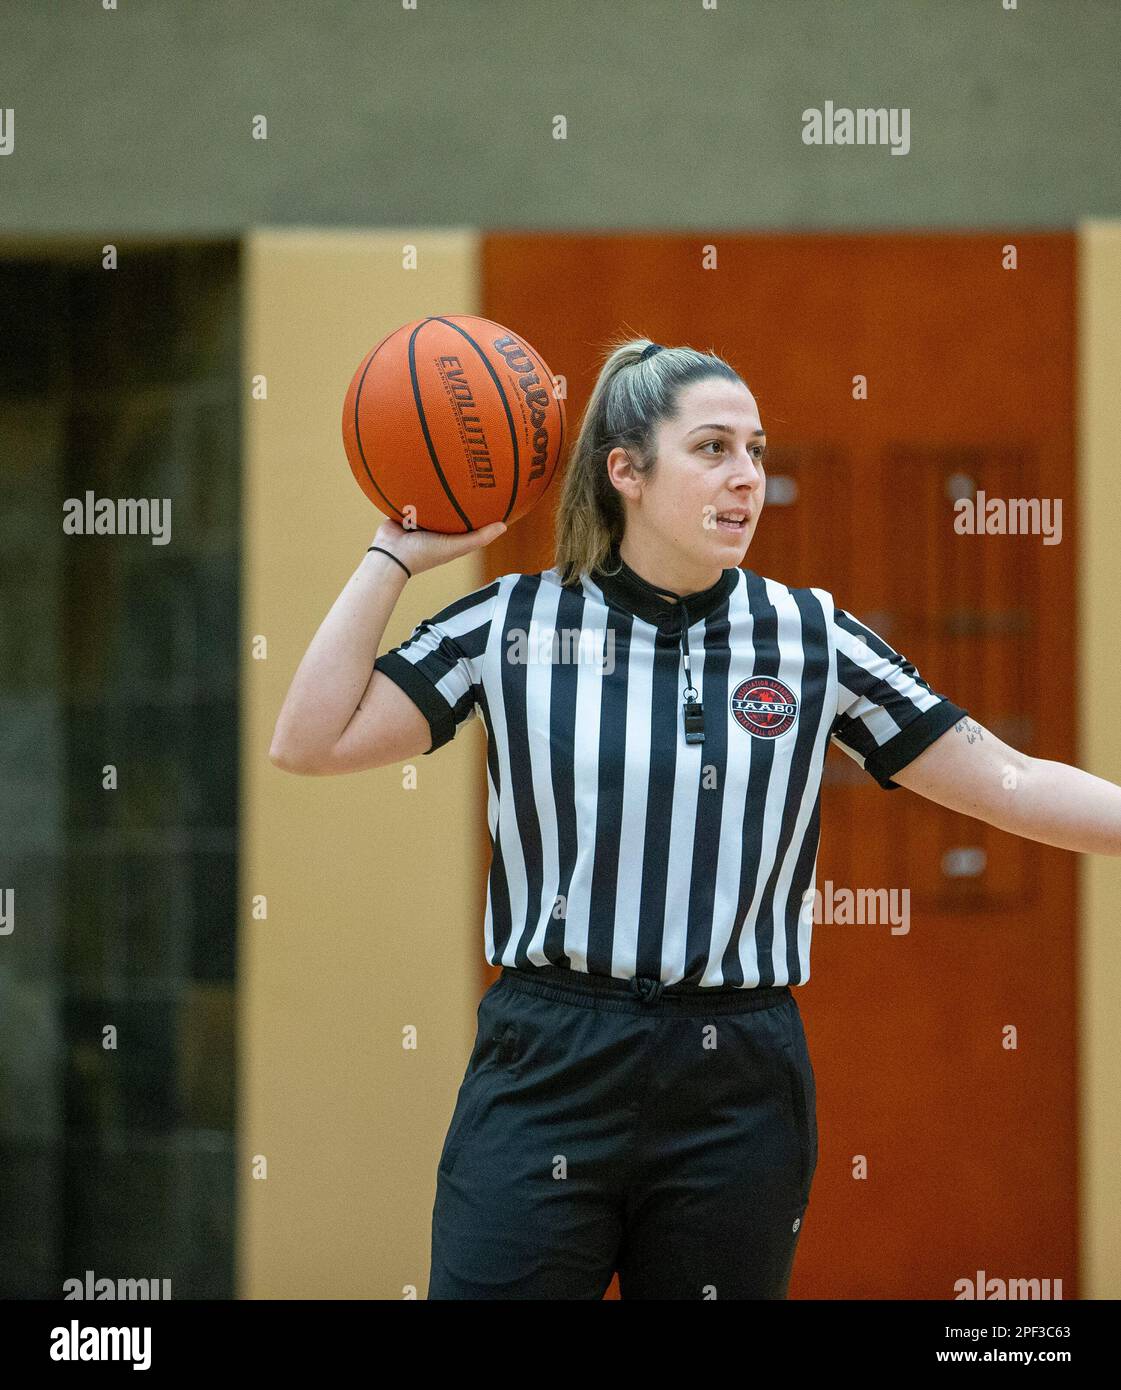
<point x="617" y="846"/>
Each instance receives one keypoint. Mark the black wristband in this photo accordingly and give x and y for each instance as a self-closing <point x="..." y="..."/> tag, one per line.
<point x="392" y="557"/>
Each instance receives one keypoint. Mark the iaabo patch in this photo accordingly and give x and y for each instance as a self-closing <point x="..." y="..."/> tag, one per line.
<point x="765" y="706"/>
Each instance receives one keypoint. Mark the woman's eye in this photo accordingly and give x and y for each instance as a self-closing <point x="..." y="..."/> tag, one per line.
<point x="759" y="450"/>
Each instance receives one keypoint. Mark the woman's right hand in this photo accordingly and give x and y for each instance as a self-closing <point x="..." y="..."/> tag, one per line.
<point x="423" y="550"/>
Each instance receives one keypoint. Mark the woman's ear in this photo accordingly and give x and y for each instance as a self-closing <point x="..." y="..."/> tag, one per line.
<point x="620" y="470"/>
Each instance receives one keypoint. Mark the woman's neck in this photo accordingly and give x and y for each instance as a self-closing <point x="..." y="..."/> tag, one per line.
<point x="662" y="572"/>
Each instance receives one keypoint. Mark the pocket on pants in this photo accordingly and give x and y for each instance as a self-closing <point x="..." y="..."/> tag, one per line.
<point x="497" y="1048"/>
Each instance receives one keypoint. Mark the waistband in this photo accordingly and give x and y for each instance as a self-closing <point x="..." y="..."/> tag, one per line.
<point x="640" y="994"/>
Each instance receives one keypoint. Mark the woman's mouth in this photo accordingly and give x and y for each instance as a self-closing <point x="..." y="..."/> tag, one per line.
<point x="735" y="522"/>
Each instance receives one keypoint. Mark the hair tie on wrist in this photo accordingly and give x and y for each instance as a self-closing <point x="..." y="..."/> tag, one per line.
<point x="392" y="557"/>
<point x="650" y="351"/>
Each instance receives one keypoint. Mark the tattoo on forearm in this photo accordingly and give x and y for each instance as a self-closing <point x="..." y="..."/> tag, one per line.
<point x="971" y="731"/>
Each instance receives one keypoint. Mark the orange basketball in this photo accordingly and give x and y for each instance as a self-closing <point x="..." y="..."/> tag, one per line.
<point x="454" y="417"/>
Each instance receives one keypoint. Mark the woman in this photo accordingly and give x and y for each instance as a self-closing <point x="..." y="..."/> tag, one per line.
<point x="640" y="1097"/>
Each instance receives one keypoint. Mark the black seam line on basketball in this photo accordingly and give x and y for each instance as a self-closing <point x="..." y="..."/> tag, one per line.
<point x="424" y="424"/>
<point x="358" y="432"/>
<point x="505" y="405"/>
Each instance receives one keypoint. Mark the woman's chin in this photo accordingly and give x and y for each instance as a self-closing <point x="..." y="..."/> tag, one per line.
<point x="734" y="540"/>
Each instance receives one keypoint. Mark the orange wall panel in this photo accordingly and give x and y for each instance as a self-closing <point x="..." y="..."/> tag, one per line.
<point x="970" y="1146"/>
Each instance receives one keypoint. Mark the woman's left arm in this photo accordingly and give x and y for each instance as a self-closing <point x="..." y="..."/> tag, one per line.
<point x="970" y="770"/>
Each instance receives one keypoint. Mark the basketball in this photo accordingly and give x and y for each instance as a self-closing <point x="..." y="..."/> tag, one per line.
<point x="451" y="423"/>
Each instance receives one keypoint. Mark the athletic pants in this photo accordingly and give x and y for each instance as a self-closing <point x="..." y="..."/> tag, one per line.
<point x="666" y="1132"/>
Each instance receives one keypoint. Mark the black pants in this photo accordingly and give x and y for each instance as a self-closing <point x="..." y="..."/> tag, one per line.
<point x="608" y="1125"/>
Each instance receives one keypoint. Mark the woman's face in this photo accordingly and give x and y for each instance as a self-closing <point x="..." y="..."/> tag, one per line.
<point x="709" y="463"/>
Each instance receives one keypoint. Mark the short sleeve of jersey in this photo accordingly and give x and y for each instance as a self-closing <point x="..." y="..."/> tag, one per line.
<point x="439" y="666"/>
<point x="886" y="713"/>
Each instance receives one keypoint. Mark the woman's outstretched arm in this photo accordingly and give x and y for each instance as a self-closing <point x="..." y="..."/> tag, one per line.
<point x="969" y="769"/>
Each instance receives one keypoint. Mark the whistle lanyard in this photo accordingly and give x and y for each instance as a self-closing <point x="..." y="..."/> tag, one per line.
<point x="692" y="711"/>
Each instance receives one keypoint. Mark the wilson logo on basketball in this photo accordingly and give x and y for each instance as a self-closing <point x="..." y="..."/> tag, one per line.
<point x="518" y="360"/>
<point x="765" y="706"/>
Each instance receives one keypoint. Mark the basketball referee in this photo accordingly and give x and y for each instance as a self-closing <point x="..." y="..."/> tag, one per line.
<point x="640" y="1096"/>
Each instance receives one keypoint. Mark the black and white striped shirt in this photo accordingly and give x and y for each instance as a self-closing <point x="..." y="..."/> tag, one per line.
<point x="618" y="847"/>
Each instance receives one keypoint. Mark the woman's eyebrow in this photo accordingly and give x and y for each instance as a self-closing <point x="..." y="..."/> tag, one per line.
<point x="723" y="429"/>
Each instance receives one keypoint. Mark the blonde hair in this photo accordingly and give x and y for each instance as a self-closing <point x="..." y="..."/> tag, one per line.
<point x="631" y="397"/>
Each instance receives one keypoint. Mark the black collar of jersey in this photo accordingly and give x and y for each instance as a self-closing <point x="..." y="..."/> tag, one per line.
<point x="629" y="591"/>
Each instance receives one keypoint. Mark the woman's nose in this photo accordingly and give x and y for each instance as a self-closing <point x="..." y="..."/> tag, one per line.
<point x="750" y="472"/>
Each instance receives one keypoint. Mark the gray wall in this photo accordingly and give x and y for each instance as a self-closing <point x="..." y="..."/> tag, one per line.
<point x="139" y="120"/>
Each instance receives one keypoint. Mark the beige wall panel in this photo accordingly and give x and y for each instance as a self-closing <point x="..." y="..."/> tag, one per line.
<point x="374" y="915"/>
<point x="1098" y="683"/>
